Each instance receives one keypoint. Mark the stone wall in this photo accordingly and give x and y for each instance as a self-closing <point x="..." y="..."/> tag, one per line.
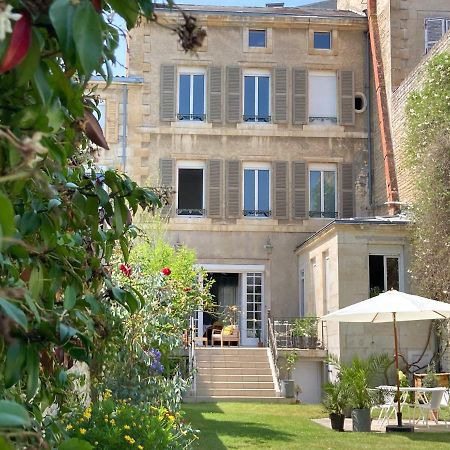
<point x="400" y="97"/>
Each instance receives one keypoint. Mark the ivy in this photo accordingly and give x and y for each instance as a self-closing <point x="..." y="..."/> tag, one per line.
<point x="428" y="153"/>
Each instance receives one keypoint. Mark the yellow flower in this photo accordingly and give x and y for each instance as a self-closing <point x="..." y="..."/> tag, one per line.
<point x="171" y="418"/>
<point x="129" y="439"/>
<point x="126" y="427"/>
<point x="140" y="447"/>
<point x="112" y="422"/>
<point x="83" y="430"/>
<point x="87" y="414"/>
<point x="69" y="427"/>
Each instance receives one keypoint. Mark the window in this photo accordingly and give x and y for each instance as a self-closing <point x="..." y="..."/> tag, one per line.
<point x="190" y="190"/>
<point x="102" y="115"/>
<point x="322" y="40"/>
<point x="322" y="191"/>
<point x="256" y="98"/>
<point x="322" y="97"/>
<point x="435" y="28"/>
<point x="383" y="273"/>
<point x="257" y="38"/>
<point x="191" y="97"/>
<point x="257" y="192"/>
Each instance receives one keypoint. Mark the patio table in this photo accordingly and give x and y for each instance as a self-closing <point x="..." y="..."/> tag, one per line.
<point x="420" y="398"/>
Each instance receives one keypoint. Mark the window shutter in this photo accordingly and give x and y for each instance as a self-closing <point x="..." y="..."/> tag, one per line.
<point x="434" y="30"/>
<point x="112" y="121"/>
<point x="300" y="90"/>
<point x="348" y="209"/>
<point x="167" y="93"/>
<point x="215" y="189"/>
<point x="233" y="94"/>
<point x="166" y="167"/>
<point x="233" y="186"/>
<point x="347" y="116"/>
<point x="280" y="95"/>
<point x="215" y="94"/>
<point x="280" y="190"/>
<point x="299" y="189"/>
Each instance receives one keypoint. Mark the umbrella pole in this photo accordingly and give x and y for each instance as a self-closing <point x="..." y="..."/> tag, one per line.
<point x="399" y="412"/>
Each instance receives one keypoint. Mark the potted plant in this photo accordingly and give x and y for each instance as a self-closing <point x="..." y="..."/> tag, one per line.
<point x="335" y="400"/>
<point x="288" y="366"/>
<point x="304" y="332"/>
<point x="355" y="377"/>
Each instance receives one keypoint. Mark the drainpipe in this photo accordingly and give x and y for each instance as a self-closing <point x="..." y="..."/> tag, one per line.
<point x="124" y="125"/>
<point x="369" y="120"/>
<point x="383" y="110"/>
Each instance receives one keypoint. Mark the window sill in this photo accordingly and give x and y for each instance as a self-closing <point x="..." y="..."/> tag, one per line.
<point x="256" y="125"/>
<point x="257" y="220"/>
<point x="323" y="126"/>
<point x="190" y="124"/>
<point x="189" y="219"/>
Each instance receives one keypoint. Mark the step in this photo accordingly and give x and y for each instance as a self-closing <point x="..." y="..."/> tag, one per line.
<point x="234" y="385"/>
<point x="232" y="364"/>
<point x="235" y="371"/>
<point x="230" y="351"/>
<point x="207" y="376"/>
<point x="221" y="398"/>
<point x="228" y="358"/>
<point x="236" y="392"/>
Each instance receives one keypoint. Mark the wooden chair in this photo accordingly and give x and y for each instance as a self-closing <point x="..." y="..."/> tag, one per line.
<point x="228" y="334"/>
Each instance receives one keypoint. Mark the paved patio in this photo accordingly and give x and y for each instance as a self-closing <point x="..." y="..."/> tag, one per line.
<point x="433" y="427"/>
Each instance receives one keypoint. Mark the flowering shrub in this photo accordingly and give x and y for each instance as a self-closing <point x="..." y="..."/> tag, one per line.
<point x="109" y="424"/>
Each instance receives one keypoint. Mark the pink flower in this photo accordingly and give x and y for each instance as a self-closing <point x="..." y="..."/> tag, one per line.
<point x="125" y="269"/>
<point x="166" y="271"/>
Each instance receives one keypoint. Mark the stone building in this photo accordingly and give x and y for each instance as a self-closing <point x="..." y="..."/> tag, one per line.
<point x="270" y="139"/>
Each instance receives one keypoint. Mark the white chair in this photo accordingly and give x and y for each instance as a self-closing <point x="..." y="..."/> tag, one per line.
<point x="387" y="408"/>
<point x="431" y="408"/>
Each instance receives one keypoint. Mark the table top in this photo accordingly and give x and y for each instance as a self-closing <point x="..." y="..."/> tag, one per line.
<point x="414" y="389"/>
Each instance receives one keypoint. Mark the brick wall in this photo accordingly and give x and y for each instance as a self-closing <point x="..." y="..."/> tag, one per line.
<point x="398" y="118"/>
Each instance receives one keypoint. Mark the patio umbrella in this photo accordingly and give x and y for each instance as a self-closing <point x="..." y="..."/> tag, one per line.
<point x="392" y="306"/>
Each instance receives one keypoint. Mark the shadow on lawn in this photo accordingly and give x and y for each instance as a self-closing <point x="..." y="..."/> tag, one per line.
<point x="211" y="429"/>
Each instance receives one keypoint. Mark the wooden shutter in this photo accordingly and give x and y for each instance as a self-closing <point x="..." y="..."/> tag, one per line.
<point x="434" y="30"/>
<point x="233" y="189"/>
<point x="299" y="190"/>
<point x="215" y="188"/>
<point x="280" y="95"/>
<point x="233" y="103"/>
<point x="347" y="191"/>
<point x="112" y="121"/>
<point x="347" y="103"/>
<point x="166" y="167"/>
<point x="280" y="190"/>
<point x="167" y="93"/>
<point x="215" y="94"/>
<point x="300" y="94"/>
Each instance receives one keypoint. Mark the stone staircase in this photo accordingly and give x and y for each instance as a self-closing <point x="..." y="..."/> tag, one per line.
<point x="234" y="373"/>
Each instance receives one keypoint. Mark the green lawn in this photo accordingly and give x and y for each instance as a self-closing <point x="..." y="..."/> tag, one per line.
<point x="281" y="426"/>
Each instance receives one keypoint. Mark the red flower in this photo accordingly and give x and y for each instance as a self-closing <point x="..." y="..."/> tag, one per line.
<point x="166" y="271"/>
<point x="125" y="269"/>
<point x="187" y="289"/>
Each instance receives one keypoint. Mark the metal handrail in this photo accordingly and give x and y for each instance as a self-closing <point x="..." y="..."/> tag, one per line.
<point x="273" y="346"/>
<point x="192" y="362"/>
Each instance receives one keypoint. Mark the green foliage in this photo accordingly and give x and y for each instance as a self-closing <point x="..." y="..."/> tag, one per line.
<point x="428" y="126"/>
<point x="60" y="219"/>
<point x="306" y="326"/>
<point x="336" y="397"/>
<point x="109" y="424"/>
<point x="289" y="363"/>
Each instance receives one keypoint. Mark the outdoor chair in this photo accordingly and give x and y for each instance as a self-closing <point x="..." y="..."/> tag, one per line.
<point x="431" y="409"/>
<point x="388" y="407"/>
<point x="228" y="334"/>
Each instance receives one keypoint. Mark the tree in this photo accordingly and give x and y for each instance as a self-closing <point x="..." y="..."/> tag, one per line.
<point x="60" y="218"/>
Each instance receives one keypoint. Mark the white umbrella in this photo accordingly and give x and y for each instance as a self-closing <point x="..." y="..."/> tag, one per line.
<point x="392" y="306"/>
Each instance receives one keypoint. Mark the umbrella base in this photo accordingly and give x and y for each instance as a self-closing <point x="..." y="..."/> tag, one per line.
<point x="399" y="429"/>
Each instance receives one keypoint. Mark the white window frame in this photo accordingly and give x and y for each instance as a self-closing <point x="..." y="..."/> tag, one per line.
<point x="387" y="252"/>
<point x="257" y="167"/>
<point x="445" y="27"/>
<point x="326" y="167"/>
<point x="191" y="165"/>
<point x="331" y="39"/>
<point x="323" y="73"/>
<point x="191" y="71"/>
<point x="265" y="37"/>
<point x="256" y="74"/>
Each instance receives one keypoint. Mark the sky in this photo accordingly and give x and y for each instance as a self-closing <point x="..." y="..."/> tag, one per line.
<point x="119" y="69"/>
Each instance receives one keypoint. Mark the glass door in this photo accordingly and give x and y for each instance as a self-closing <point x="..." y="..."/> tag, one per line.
<point x="252" y="308"/>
